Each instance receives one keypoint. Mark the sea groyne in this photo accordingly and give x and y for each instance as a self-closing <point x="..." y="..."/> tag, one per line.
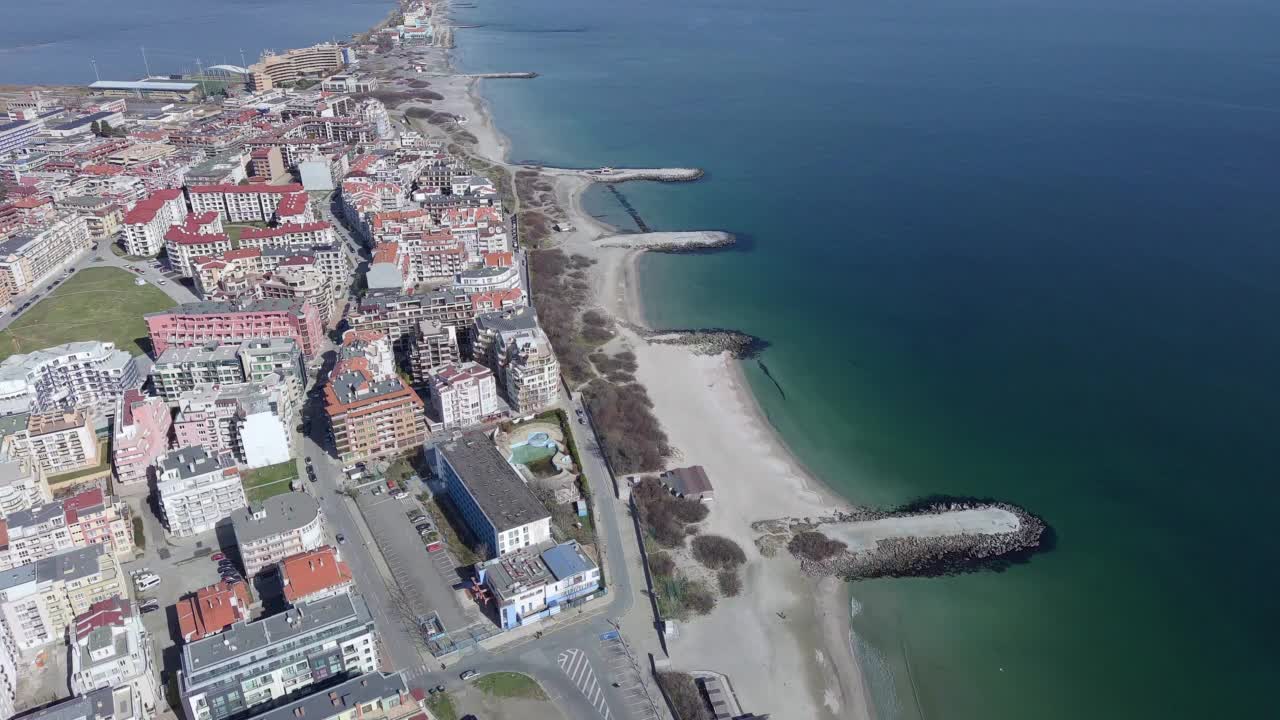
<point x="934" y="537"/>
<point x="669" y="242"/>
<point x="709" y="341"/>
<point x="617" y="175"/>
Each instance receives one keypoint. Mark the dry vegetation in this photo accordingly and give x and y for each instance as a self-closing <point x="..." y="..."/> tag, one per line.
<point x="682" y="690"/>
<point x="812" y="545"/>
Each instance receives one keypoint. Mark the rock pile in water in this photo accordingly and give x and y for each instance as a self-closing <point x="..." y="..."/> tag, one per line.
<point x="712" y="341"/>
<point x="916" y="556"/>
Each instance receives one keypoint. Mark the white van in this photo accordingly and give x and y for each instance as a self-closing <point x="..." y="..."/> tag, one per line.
<point x="146" y="582"/>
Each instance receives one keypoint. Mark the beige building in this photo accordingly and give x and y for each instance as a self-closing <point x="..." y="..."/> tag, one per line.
<point x="27" y="259"/>
<point x="38" y="601"/>
<point x="307" y="283"/>
<point x="315" y="61"/>
<point x="282" y="525"/>
<point x="63" y="441"/>
<point x="529" y="370"/>
<point x="88" y="518"/>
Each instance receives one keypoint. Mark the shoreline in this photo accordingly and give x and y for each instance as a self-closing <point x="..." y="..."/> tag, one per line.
<point x="707" y="407"/>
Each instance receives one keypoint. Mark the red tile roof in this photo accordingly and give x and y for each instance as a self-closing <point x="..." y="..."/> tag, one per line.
<point x="311" y="572"/>
<point x="292" y="204"/>
<point x="103" y="613"/>
<point x="212" y="609"/>
<point x="85" y="501"/>
<point x="254" y="233"/>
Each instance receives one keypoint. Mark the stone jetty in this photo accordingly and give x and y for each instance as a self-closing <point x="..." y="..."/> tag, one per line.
<point x="617" y="175"/>
<point x="710" y="341"/>
<point x="670" y="242"/>
<point x="934" y="537"/>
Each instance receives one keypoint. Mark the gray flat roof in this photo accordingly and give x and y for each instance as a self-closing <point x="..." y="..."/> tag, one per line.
<point x="342" y="698"/>
<point x="193" y="461"/>
<point x="95" y="704"/>
<point x="143" y="85"/>
<point x="279" y="514"/>
<point x="70" y="565"/>
<point x="500" y="321"/>
<point x="244" y="638"/>
<point x="498" y="490"/>
<point x="567" y="560"/>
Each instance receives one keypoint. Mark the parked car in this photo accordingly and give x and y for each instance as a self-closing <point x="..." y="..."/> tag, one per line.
<point x="468" y="674"/>
<point x="149" y="608"/>
<point x="308" y="460"/>
<point x="342" y="539"/>
<point x="146" y="582"/>
<point x="217" y="557"/>
<point x="422" y="527"/>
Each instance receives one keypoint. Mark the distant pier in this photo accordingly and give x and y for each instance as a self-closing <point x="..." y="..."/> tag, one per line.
<point x="631" y="210"/>
<point x="610" y="175"/>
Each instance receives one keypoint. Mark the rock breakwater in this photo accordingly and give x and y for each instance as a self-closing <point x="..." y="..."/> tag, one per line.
<point x="670" y="242"/>
<point x="932" y="537"/>
<point x="710" y="341"/>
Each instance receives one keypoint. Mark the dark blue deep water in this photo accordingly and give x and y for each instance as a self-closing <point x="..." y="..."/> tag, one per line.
<point x="1019" y="248"/>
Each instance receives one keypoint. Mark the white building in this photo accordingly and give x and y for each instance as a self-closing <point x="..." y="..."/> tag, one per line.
<point x="197" y="489"/>
<point x="282" y="525"/>
<point x="539" y="582"/>
<point x="40" y="600"/>
<point x="501" y="511"/>
<point x="85" y="519"/>
<point x="529" y="370"/>
<point x="463" y="394"/>
<point x="144" y="225"/>
<point x="110" y="649"/>
<point x="22" y="486"/>
<point x="71" y="375"/>
<point x="28" y="259"/>
<point x="487" y="279"/>
<point x="8" y="673"/>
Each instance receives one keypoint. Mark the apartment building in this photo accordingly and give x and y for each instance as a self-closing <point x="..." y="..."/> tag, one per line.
<point x="274" y="70"/>
<point x="63" y="442"/>
<point x="199" y="234"/>
<point x="199" y="323"/>
<point x="8" y="674"/>
<point x="101" y="704"/>
<point x="529" y="370"/>
<point x="102" y="215"/>
<point x="398" y="315"/>
<point x="235" y="273"/>
<point x="111" y="649"/>
<point x="181" y="369"/>
<point x="253" y="421"/>
<point x="141" y="436"/>
<point x="255" y="202"/>
<point x="538" y="582"/>
<point x="313" y="575"/>
<point x="280" y="526"/>
<point x="196" y="489"/>
<point x="487" y="279"/>
<point x="266" y="163"/>
<point x="23" y="485"/>
<point x="38" y="601"/>
<point x="494" y="502"/>
<point x="370" y="417"/>
<point x="144" y="226"/>
<point x="87" y="518"/>
<point x="294" y="235"/>
<point x="434" y="346"/>
<point x="301" y="283"/>
<point x="210" y="610"/>
<point x="72" y="375"/>
<point x="372" y="696"/>
<point x="463" y="394"/>
<point x="252" y="664"/>
<point x="29" y="258"/>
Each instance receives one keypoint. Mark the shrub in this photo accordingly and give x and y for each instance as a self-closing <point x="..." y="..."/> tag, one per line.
<point x="596" y="335"/>
<point x="810" y="545"/>
<point x="717" y="552"/>
<point x="633" y="439"/>
<point x="690" y="511"/>
<point x="729" y="582"/>
<point x="595" y="317"/>
<point x="660" y="563"/>
<point x="685" y="696"/>
<point x="699" y="599"/>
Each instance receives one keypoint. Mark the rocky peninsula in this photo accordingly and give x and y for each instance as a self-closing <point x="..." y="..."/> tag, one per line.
<point x="930" y="538"/>
<point x="670" y="242"/>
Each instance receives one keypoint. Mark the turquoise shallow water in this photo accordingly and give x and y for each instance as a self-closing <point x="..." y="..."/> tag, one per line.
<point x="1012" y="248"/>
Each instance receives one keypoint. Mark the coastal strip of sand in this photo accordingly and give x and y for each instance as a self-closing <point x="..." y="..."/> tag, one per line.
<point x="785" y="640"/>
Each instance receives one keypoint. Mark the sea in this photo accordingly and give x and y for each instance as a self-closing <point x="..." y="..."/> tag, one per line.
<point x="1021" y="249"/>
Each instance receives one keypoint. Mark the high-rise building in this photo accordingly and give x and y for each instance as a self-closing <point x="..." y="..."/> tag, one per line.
<point x="492" y="499"/>
<point x="196" y="324"/>
<point x="280" y="526"/>
<point x="111" y="649"/>
<point x="68" y="376"/>
<point x="28" y="259"/>
<point x="463" y="395"/>
<point x="38" y="601"/>
<point x="141" y="436"/>
<point x="197" y="489"/>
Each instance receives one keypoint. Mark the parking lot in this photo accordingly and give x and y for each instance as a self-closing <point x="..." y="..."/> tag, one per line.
<point x="429" y="580"/>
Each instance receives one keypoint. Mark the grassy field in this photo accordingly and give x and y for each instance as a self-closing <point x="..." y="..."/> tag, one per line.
<point x="511" y="685"/>
<point x="99" y="303"/>
<point x="441" y="706"/>
<point x="261" y="483"/>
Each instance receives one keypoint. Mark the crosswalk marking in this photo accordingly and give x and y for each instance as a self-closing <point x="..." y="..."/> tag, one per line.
<point x="574" y="664"/>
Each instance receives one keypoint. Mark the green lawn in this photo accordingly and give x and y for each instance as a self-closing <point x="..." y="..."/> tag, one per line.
<point x="99" y="303"/>
<point x="511" y="685"/>
<point x="234" y="230"/>
<point x="261" y="483"/>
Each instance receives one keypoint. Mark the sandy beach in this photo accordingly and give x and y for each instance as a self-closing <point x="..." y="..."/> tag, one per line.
<point x="790" y="650"/>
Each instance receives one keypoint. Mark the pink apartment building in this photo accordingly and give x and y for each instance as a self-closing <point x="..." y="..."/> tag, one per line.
<point x="195" y="324"/>
<point x="141" y="437"/>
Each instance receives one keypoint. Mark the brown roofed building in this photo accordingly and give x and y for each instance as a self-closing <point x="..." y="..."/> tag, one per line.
<point x="212" y="609"/>
<point x="314" y="575"/>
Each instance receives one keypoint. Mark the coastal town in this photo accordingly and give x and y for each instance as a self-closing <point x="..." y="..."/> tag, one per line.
<point x="313" y="406"/>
